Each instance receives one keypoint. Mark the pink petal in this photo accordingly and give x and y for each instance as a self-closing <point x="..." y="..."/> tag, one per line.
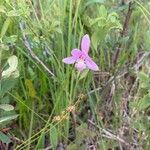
<point x="76" y="53"/>
<point x="80" y="65"/>
<point x="85" y="44"/>
<point x="91" y="64"/>
<point x="69" y="60"/>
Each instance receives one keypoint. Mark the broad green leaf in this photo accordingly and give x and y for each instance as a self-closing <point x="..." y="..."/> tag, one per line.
<point x="103" y="11"/>
<point x="54" y="137"/>
<point x="12" y="70"/>
<point x="97" y="37"/>
<point x="4" y="138"/>
<point x="8" y="118"/>
<point x="5" y="27"/>
<point x="7" y="85"/>
<point x="6" y="107"/>
<point x="13" y="62"/>
<point x="144" y="102"/>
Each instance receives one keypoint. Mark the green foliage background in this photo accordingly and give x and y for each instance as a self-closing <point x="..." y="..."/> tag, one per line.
<point x="43" y="32"/>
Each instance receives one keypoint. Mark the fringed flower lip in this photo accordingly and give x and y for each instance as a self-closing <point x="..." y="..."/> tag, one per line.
<point x="80" y="58"/>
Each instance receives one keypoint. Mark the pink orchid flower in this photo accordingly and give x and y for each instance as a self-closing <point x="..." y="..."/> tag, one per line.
<point x="81" y="57"/>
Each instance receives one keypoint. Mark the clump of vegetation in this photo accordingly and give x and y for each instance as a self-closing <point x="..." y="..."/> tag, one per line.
<point x="101" y="101"/>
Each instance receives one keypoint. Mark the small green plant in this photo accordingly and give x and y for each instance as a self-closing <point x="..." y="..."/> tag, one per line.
<point x="8" y="73"/>
<point x="102" y="24"/>
<point x="141" y="104"/>
<point x="7" y="81"/>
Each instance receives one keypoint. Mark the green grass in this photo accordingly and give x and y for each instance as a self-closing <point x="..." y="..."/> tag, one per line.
<point x="111" y="105"/>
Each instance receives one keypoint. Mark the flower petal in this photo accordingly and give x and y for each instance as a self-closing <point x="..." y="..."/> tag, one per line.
<point x="69" y="60"/>
<point x="91" y="64"/>
<point x="76" y="53"/>
<point x="85" y="44"/>
<point x="80" y="65"/>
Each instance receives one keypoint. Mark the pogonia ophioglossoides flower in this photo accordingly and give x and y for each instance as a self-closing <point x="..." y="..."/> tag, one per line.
<point x="80" y="57"/>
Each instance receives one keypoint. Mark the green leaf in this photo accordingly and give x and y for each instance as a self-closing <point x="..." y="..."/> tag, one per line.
<point x="2" y="9"/>
<point x="5" y="100"/>
<point x="5" y="27"/>
<point x="89" y="2"/>
<point x="144" y="77"/>
<point x="144" y="103"/>
<point x="8" y="118"/>
<point x="7" y="85"/>
<point x="6" y="107"/>
<point x="12" y="70"/>
<point x="84" y="74"/>
<point x="13" y="62"/>
<point x="103" y="11"/>
<point x="54" y="137"/>
<point x="41" y="142"/>
<point x="101" y="21"/>
<point x="11" y="39"/>
<point x="97" y="37"/>
<point x="4" y="138"/>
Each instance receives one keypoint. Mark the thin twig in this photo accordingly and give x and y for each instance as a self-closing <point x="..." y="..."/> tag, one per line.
<point x="48" y="148"/>
<point x="126" y="22"/>
<point x="27" y="45"/>
<point x="123" y="33"/>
